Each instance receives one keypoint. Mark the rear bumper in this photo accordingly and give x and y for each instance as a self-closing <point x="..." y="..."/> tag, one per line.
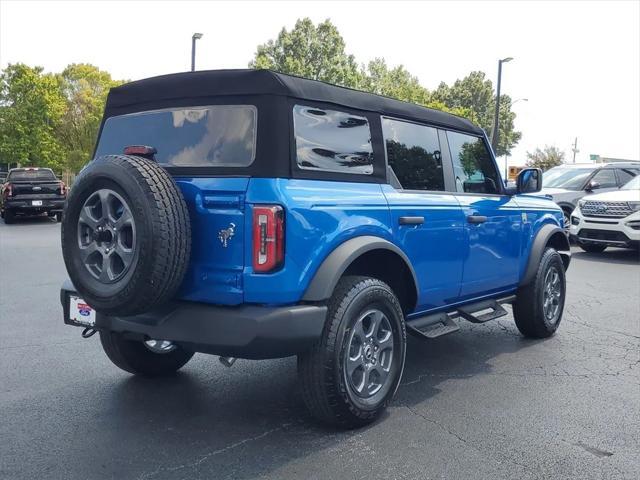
<point x="256" y="332"/>
<point x="26" y="205"/>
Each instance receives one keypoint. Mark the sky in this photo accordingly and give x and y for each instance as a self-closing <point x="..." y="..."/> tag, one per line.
<point x="577" y="63"/>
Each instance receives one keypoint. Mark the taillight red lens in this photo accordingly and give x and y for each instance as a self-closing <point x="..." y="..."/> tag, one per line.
<point x="63" y="188"/>
<point x="268" y="238"/>
<point x="7" y="191"/>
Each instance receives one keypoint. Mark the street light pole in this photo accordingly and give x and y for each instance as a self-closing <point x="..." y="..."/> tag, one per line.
<point x="196" y="36"/>
<point x="494" y="132"/>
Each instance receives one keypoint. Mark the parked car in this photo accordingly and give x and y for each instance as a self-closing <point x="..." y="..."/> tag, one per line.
<point x="32" y="191"/>
<point x="247" y="213"/>
<point x="610" y="219"/>
<point x="567" y="184"/>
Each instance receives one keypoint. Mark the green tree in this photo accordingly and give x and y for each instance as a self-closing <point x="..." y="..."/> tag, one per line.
<point x="316" y="52"/>
<point x="31" y="107"/>
<point x="546" y="158"/>
<point x="84" y="88"/>
<point x="396" y="83"/>
<point x="475" y="93"/>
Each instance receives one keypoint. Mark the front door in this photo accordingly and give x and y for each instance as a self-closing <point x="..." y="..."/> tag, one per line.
<point x="427" y="221"/>
<point x="492" y="221"/>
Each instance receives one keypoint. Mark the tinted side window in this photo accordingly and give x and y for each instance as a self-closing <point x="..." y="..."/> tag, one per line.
<point x="413" y="153"/>
<point x="332" y="141"/>
<point x="606" y="178"/>
<point x="626" y="174"/>
<point x="473" y="168"/>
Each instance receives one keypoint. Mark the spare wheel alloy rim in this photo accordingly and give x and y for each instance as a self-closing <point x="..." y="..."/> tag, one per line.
<point x="106" y="236"/>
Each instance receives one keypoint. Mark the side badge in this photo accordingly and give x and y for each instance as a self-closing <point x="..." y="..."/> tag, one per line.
<point x="226" y="234"/>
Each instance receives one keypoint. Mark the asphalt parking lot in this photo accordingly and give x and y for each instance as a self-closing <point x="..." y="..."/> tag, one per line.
<point x="480" y="403"/>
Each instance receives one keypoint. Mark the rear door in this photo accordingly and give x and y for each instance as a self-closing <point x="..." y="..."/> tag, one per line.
<point x="196" y="144"/>
<point x="492" y="221"/>
<point x="427" y="221"/>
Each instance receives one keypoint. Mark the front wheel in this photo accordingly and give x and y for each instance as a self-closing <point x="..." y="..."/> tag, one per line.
<point x="539" y="305"/>
<point x="351" y="374"/>
<point x="152" y="358"/>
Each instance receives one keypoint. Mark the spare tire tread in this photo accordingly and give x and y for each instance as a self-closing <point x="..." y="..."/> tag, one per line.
<point x="156" y="279"/>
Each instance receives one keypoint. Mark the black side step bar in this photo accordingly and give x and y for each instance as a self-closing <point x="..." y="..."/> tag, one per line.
<point x="438" y="324"/>
<point x="467" y="311"/>
<point x="432" y="326"/>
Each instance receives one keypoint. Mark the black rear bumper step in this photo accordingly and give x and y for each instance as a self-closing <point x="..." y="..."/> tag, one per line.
<point x="438" y="324"/>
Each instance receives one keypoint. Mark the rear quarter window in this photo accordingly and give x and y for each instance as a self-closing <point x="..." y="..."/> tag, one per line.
<point x="332" y="141"/>
<point x="217" y="135"/>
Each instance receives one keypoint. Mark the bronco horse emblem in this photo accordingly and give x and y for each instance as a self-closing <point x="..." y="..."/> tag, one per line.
<point x="226" y="234"/>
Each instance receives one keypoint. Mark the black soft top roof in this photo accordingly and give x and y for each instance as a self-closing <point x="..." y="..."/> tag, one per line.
<point x="212" y="83"/>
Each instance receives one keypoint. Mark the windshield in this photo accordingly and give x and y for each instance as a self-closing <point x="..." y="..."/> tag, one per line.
<point x="39" y="174"/>
<point x="568" y="178"/>
<point x="217" y="135"/>
<point x="633" y="184"/>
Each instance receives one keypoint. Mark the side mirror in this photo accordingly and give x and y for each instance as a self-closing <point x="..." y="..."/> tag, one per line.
<point x="592" y="185"/>
<point x="529" y="181"/>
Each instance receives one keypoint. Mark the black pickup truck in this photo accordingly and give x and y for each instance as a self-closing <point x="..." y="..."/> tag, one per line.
<point x="32" y="191"/>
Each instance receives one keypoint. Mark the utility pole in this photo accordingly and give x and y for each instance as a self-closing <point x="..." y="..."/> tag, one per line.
<point x="196" y="36"/>
<point x="494" y="132"/>
<point x="575" y="149"/>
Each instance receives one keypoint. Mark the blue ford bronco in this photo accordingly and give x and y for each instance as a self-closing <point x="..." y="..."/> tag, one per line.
<point x="251" y="214"/>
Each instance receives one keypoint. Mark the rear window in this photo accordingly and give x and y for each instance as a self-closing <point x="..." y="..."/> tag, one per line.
<point x="332" y="141"/>
<point x="217" y="135"/>
<point x="31" y="175"/>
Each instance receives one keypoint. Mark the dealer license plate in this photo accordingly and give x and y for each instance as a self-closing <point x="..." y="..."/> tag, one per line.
<point x="80" y="312"/>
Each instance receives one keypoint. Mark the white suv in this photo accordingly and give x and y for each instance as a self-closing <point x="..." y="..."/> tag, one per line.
<point x="610" y="219"/>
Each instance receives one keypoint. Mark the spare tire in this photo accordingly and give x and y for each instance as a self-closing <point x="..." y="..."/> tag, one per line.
<point x="126" y="235"/>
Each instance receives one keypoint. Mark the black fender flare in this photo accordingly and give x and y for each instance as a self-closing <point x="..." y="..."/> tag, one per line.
<point x="327" y="276"/>
<point x="548" y="233"/>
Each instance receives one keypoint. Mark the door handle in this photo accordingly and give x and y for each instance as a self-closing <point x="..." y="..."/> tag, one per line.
<point x="476" y="219"/>
<point x="411" y="220"/>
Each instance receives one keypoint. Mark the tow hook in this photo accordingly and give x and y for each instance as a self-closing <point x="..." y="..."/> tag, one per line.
<point x="88" y="332"/>
<point x="227" y="361"/>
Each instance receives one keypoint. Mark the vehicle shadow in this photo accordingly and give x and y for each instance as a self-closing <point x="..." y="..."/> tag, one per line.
<point x="209" y="421"/>
<point x="610" y="255"/>
<point x="30" y="220"/>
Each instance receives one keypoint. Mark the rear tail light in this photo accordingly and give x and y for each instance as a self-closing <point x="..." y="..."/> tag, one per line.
<point x="268" y="238"/>
<point x="63" y="188"/>
<point x="7" y="191"/>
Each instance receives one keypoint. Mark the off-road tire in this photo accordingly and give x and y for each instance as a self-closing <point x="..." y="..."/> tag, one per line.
<point x="163" y="235"/>
<point x="320" y="370"/>
<point x="528" y="309"/>
<point x="592" y="248"/>
<point x="134" y="357"/>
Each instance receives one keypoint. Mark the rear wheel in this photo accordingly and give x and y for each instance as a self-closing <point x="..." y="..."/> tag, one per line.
<point x="349" y="377"/>
<point x="539" y="305"/>
<point x="9" y="216"/>
<point x="151" y="358"/>
<point x="592" y="247"/>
